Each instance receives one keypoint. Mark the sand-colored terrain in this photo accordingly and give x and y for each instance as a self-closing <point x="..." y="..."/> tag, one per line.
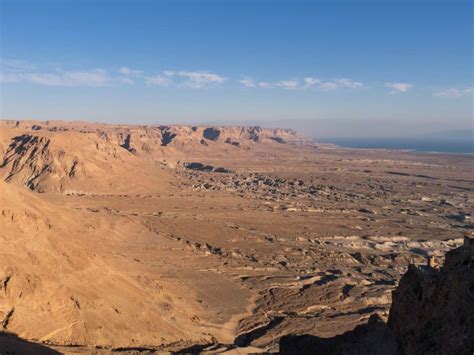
<point x="210" y="238"/>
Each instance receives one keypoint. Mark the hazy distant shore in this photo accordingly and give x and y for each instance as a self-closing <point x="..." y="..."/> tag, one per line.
<point x="434" y="145"/>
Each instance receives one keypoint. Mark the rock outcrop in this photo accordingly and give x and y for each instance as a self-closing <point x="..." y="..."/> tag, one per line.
<point x="30" y="160"/>
<point x="206" y="168"/>
<point x="55" y="156"/>
<point x="153" y="139"/>
<point x="68" y="162"/>
<point x="432" y="312"/>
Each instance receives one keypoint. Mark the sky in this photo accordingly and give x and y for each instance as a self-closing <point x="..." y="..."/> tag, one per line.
<point x="403" y="64"/>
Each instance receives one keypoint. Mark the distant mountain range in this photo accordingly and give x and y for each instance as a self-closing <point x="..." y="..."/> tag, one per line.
<point x="351" y="128"/>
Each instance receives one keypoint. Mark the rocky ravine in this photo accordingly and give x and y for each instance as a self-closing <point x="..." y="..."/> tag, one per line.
<point x="432" y="312"/>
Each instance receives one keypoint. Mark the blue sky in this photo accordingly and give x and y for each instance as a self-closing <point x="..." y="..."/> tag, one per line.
<point x="181" y="61"/>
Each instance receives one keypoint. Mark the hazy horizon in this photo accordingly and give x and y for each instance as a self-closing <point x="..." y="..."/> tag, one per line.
<point x="333" y="68"/>
<point x="316" y="128"/>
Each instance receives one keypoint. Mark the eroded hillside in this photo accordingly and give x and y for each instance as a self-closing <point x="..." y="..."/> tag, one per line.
<point x="217" y="238"/>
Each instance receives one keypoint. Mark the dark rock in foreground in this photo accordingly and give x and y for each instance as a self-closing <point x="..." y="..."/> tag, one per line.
<point x="12" y="344"/>
<point x="433" y="310"/>
<point x="432" y="313"/>
<point x="206" y="168"/>
<point x="371" y="338"/>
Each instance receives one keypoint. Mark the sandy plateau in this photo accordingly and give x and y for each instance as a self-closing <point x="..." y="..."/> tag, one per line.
<point x="181" y="238"/>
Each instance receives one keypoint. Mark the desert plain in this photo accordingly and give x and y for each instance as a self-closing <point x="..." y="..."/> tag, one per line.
<point x="212" y="239"/>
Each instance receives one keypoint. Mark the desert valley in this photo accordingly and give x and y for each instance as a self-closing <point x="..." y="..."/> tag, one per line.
<point x="220" y="239"/>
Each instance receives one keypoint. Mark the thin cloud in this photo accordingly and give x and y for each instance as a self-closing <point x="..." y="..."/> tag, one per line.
<point x="92" y="78"/>
<point x="130" y="72"/>
<point x="310" y="82"/>
<point x="287" y="84"/>
<point x="15" y="71"/>
<point x="190" y="79"/>
<point x="9" y="78"/>
<point x="265" y="85"/>
<point x="129" y="75"/>
<point x="125" y="80"/>
<point x="399" y="87"/>
<point x="16" y="65"/>
<point x="198" y="80"/>
<point x="348" y="83"/>
<point x="97" y="77"/>
<point x="455" y="93"/>
<point x="248" y="82"/>
<point x="45" y="79"/>
<point x="328" y="85"/>
<point x="19" y="71"/>
<point x="159" y="80"/>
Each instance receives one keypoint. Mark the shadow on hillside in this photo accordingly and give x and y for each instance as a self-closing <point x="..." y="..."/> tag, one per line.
<point x="374" y="337"/>
<point x="12" y="344"/>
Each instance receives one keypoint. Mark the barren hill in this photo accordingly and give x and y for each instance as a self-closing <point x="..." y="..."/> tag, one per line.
<point x="73" y="278"/>
<point x="83" y="158"/>
<point x="210" y="238"/>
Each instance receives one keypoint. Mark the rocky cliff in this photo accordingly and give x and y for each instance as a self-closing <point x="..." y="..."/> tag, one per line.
<point x="76" y="157"/>
<point x="154" y="138"/>
<point x="432" y="312"/>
